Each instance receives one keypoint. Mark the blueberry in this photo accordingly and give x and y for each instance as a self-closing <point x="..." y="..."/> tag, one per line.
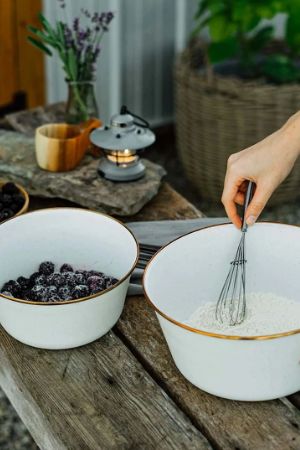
<point x="64" y="293"/>
<point x="14" y="207"/>
<point x="13" y="287"/>
<point x="38" y="293"/>
<point x="51" y="290"/>
<point x="110" y="281"/>
<point x="46" y="268"/>
<point x="6" y="199"/>
<point x="7" y="293"/>
<point x="80" y="278"/>
<point x="32" y="278"/>
<point x="66" y="268"/>
<point x="53" y="298"/>
<point x="23" y="282"/>
<point x="6" y="213"/>
<point x="81" y="290"/>
<point x="41" y="280"/>
<point x="10" y="188"/>
<point x="55" y="279"/>
<point x="69" y="279"/>
<point x="18" y="200"/>
<point x="96" y="284"/>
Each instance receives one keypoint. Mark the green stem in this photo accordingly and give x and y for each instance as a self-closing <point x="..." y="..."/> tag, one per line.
<point x="80" y="102"/>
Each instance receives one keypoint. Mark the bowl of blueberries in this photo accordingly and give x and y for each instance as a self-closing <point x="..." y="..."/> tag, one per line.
<point x="64" y="275"/>
<point x="14" y="200"/>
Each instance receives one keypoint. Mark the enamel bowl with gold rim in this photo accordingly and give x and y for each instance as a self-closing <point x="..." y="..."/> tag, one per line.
<point x="84" y="239"/>
<point x="190" y="271"/>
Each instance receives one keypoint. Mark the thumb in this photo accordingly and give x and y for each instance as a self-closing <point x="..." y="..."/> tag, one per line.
<point x="257" y="204"/>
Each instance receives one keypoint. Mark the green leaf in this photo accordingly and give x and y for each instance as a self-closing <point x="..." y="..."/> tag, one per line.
<point x="47" y="25"/>
<point x="280" y="69"/>
<point x="201" y="9"/>
<point x="72" y="64"/>
<point x="219" y="51"/>
<point x="39" y="45"/>
<point x="293" y="31"/>
<point x="267" y="10"/>
<point x="261" y="38"/>
<point x="44" y="37"/>
<point x="220" y="28"/>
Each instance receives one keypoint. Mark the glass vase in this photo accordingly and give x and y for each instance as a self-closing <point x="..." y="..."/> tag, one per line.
<point x="81" y="104"/>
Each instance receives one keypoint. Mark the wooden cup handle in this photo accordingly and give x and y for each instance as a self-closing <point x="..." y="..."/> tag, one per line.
<point x="86" y="128"/>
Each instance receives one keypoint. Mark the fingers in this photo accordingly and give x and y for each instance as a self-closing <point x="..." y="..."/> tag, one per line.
<point x="230" y="192"/>
<point x="257" y="204"/>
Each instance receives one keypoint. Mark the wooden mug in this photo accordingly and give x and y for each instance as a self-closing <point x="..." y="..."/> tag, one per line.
<point x="60" y="147"/>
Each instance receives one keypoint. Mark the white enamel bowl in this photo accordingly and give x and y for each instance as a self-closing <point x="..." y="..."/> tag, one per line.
<point x="86" y="240"/>
<point x="191" y="271"/>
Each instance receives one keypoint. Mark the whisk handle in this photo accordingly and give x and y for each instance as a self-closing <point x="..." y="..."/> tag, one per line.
<point x="248" y="197"/>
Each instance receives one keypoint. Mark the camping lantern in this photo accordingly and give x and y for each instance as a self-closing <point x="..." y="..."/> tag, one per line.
<point x="121" y="142"/>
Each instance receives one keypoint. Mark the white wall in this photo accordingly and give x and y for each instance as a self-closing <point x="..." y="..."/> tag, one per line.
<point x="136" y="62"/>
<point x="137" y="58"/>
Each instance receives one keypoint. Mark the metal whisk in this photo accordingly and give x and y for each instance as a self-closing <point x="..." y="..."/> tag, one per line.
<point x="231" y="305"/>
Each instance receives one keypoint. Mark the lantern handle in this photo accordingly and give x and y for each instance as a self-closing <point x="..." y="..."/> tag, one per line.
<point x="141" y="122"/>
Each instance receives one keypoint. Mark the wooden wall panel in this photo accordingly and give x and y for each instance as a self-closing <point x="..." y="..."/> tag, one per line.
<point x="31" y="60"/>
<point x="21" y="65"/>
<point x="8" y="52"/>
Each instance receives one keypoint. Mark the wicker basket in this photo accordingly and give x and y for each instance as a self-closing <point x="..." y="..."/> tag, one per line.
<point x="221" y="115"/>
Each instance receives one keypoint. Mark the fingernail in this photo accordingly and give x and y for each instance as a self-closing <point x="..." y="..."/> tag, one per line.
<point x="251" y="220"/>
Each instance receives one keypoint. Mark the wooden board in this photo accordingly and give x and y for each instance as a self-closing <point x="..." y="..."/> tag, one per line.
<point x="94" y="397"/>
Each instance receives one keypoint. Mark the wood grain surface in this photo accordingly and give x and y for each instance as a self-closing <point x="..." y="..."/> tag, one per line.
<point x="94" y="397"/>
<point x="124" y="391"/>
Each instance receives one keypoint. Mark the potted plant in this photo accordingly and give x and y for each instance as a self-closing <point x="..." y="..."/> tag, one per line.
<point x="78" y="47"/>
<point x="237" y="88"/>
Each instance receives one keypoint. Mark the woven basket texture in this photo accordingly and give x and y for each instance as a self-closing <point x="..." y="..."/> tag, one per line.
<point x="217" y="116"/>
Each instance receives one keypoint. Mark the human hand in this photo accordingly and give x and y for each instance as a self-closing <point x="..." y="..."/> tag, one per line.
<point x="267" y="164"/>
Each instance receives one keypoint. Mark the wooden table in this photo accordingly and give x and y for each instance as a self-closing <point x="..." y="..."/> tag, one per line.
<point x="124" y="392"/>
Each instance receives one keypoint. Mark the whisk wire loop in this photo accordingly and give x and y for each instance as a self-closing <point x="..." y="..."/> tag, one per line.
<point x="231" y="305"/>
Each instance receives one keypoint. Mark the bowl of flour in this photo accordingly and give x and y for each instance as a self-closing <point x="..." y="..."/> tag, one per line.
<point x="256" y="360"/>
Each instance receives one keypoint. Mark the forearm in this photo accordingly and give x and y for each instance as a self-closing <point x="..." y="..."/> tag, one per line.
<point x="290" y="134"/>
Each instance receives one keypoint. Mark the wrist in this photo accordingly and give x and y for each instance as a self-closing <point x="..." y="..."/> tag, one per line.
<point x="290" y="134"/>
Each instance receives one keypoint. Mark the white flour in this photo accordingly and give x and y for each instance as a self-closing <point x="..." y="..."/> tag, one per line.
<point x="266" y="314"/>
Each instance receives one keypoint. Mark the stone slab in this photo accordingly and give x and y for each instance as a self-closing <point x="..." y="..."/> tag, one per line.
<point x="82" y="185"/>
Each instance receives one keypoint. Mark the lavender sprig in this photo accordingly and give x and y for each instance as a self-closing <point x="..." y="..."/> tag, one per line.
<point x="78" y="46"/>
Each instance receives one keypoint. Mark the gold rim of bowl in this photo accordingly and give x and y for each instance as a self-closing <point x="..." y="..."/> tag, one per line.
<point x="203" y="332"/>
<point x="82" y="299"/>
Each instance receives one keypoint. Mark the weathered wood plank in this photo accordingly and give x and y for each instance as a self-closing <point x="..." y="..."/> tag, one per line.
<point x="168" y="204"/>
<point x="93" y="397"/>
<point x="161" y="232"/>
<point x="229" y="425"/>
<point x="273" y="425"/>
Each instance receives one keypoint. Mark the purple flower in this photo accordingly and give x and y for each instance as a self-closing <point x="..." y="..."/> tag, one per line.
<point x="86" y="13"/>
<point x="109" y="17"/>
<point x="69" y="41"/>
<point x="76" y="24"/>
<point x="96" y="53"/>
